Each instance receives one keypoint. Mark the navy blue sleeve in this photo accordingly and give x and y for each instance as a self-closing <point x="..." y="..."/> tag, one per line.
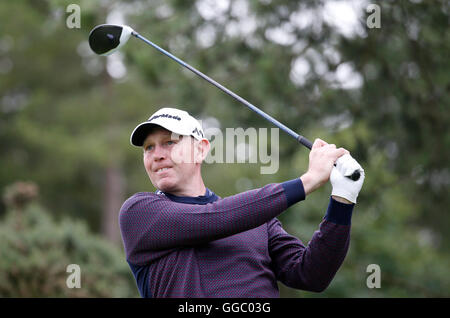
<point x="339" y="213"/>
<point x="141" y="275"/>
<point x="294" y="191"/>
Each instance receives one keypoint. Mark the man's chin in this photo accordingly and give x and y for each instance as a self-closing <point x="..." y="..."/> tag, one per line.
<point x="168" y="187"/>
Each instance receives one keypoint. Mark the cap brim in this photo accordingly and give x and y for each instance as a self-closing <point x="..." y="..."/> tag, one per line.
<point x="141" y="132"/>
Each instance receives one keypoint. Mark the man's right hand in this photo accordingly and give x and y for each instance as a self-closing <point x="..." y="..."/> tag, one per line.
<point x="321" y="161"/>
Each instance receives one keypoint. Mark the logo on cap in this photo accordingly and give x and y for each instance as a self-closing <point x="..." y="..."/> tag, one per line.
<point x="198" y="132"/>
<point x="165" y="116"/>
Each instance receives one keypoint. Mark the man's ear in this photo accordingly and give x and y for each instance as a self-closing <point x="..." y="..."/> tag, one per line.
<point x="202" y="150"/>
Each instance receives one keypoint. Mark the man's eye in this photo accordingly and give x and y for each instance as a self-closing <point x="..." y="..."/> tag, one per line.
<point x="148" y="148"/>
<point x="171" y="142"/>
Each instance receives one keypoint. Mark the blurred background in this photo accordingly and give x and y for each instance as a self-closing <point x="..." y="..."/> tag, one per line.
<point x="320" y="67"/>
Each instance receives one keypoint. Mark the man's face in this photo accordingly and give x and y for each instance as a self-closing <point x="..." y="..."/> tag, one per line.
<point x="169" y="160"/>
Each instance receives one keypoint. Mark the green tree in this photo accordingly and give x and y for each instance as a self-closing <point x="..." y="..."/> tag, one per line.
<point x="35" y="252"/>
<point x="65" y="120"/>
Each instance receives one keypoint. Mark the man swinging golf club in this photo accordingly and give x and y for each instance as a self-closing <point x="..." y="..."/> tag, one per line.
<point x="185" y="241"/>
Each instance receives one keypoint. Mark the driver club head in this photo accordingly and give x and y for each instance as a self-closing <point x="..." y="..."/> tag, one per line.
<point x="105" y="39"/>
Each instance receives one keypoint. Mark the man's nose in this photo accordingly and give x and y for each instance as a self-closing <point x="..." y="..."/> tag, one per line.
<point x="159" y="153"/>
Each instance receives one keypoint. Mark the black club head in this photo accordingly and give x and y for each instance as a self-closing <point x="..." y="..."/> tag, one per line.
<point x="107" y="38"/>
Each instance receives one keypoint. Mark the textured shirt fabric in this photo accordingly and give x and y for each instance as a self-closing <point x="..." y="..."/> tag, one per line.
<point x="208" y="246"/>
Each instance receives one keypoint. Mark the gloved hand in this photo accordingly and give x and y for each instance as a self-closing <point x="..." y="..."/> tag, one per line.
<point x="342" y="186"/>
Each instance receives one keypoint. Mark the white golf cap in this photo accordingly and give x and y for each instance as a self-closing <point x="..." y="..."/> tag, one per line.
<point x="172" y="119"/>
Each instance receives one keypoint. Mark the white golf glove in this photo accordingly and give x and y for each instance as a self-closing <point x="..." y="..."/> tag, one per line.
<point x="342" y="186"/>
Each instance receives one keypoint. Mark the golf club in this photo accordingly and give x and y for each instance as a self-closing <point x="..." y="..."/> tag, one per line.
<point x="105" y="39"/>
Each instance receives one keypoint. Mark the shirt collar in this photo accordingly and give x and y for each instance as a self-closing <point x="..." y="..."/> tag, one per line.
<point x="208" y="197"/>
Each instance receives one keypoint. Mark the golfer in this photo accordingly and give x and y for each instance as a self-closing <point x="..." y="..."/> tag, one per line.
<point x="185" y="241"/>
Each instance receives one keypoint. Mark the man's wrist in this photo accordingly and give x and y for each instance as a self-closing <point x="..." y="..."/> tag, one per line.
<point x="340" y="199"/>
<point x="309" y="183"/>
<point x="339" y="213"/>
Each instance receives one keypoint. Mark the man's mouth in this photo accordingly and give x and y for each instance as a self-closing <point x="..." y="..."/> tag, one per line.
<point x="162" y="169"/>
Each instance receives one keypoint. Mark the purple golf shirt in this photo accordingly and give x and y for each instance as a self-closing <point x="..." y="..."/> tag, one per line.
<point x="208" y="246"/>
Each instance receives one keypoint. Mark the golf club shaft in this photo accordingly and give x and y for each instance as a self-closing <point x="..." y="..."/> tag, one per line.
<point x="302" y="140"/>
